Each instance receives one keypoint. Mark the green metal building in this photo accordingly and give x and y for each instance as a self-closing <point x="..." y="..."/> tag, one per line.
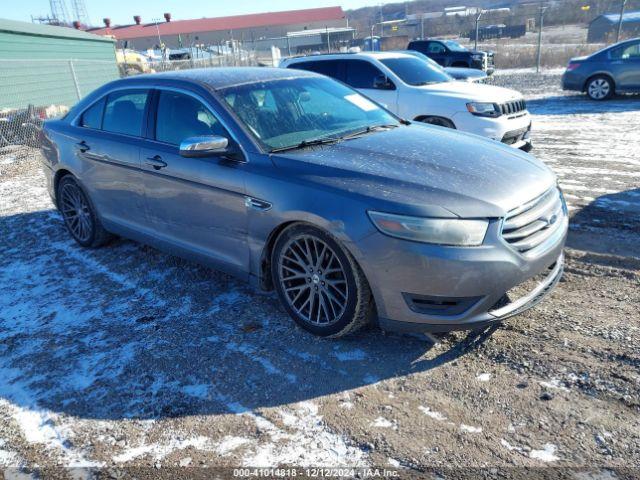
<point x="43" y="65"/>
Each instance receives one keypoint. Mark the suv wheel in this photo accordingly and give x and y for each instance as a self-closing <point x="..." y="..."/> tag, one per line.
<point x="600" y="87"/>
<point x="79" y="215"/>
<point x="439" y="121"/>
<point x="319" y="283"/>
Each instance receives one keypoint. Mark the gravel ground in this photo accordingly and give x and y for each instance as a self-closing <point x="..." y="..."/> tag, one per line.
<point x="126" y="357"/>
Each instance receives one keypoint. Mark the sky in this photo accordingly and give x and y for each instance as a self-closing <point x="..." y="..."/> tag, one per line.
<point x="122" y="11"/>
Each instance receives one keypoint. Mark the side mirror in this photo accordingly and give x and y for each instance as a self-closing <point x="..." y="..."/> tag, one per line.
<point x="381" y="82"/>
<point x="204" y="146"/>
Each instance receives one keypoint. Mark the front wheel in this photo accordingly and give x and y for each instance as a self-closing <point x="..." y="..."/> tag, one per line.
<point x="319" y="283"/>
<point x="600" y="88"/>
<point x="439" y="121"/>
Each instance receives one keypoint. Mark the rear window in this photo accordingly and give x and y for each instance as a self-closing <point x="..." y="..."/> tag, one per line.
<point x="124" y="112"/>
<point x="330" y="68"/>
<point x="92" y="116"/>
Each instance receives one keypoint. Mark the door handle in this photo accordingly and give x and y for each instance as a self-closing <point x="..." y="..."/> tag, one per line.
<point x="82" y="147"/>
<point x="156" y="162"/>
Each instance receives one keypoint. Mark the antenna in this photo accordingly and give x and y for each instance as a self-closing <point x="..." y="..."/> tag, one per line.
<point x="80" y="11"/>
<point x="59" y="11"/>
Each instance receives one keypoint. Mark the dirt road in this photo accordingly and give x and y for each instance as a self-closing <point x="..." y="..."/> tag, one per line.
<point x="125" y="356"/>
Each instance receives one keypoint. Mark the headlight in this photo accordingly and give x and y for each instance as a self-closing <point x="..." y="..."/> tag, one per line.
<point x="482" y="109"/>
<point x="440" y="231"/>
<point x="477" y="56"/>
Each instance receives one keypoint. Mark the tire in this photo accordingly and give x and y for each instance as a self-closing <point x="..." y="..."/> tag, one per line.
<point x="600" y="87"/>
<point x="439" y="121"/>
<point x="332" y="303"/>
<point x="79" y="214"/>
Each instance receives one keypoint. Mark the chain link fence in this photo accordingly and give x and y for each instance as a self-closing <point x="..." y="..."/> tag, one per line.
<point x="35" y="90"/>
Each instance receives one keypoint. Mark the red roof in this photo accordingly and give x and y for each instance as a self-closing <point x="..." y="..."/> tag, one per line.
<point x="235" y="22"/>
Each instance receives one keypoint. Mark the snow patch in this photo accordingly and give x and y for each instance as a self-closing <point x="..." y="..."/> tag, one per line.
<point x="350" y="355"/>
<point x="545" y="455"/>
<point x="483" y="377"/>
<point x="470" y="429"/>
<point x="382" y="422"/>
<point x="433" y="414"/>
<point x="229" y="443"/>
<point x="554" y="384"/>
<point x="159" y="451"/>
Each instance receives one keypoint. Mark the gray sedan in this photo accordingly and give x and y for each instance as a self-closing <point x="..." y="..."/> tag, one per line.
<point x="297" y="183"/>
<point x="615" y="69"/>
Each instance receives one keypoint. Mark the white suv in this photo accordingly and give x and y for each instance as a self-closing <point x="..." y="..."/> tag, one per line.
<point x="416" y="90"/>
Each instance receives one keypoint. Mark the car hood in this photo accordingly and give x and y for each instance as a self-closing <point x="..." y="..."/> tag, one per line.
<point x="462" y="72"/>
<point x="477" y="92"/>
<point x="423" y="170"/>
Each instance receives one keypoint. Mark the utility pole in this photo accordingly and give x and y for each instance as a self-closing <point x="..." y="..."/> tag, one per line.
<point x="624" y="2"/>
<point x="422" y="26"/>
<point x="540" y="25"/>
<point x="475" y="46"/>
<point x="381" y="23"/>
<point x="328" y="41"/>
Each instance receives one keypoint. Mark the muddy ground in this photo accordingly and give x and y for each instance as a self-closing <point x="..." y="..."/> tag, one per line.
<point x="125" y="356"/>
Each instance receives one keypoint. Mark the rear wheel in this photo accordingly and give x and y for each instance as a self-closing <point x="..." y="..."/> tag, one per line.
<point x="319" y="283"/>
<point x="79" y="215"/>
<point x="600" y="87"/>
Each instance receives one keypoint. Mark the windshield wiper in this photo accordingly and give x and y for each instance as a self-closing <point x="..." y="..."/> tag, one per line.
<point x="365" y="131"/>
<point x="307" y="143"/>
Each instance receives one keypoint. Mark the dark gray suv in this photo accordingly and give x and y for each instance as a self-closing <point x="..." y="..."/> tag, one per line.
<point x="297" y="183"/>
<point x="615" y="69"/>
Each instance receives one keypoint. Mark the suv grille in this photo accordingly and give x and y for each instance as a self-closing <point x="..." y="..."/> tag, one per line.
<point x="515" y="106"/>
<point x="528" y="226"/>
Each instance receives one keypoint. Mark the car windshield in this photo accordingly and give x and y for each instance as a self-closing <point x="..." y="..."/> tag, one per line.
<point x="422" y="56"/>
<point x="293" y="112"/>
<point x="415" y="71"/>
<point x="455" y="46"/>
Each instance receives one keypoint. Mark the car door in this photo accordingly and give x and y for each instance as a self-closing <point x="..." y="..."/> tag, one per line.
<point x="107" y="140"/>
<point x="625" y="66"/>
<point x="438" y="52"/>
<point x="197" y="205"/>
<point x="368" y="79"/>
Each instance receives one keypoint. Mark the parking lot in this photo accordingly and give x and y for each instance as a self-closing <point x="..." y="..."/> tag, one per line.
<point x="125" y="356"/>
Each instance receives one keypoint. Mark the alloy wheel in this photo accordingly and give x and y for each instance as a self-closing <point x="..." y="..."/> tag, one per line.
<point x="313" y="280"/>
<point x="76" y="212"/>
<point x="599" y="88"/>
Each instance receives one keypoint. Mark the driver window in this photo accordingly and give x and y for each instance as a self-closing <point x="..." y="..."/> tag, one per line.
<point x="181" y="116"/>
<point x="362" y="74"/>
<point x="435" y="48"/>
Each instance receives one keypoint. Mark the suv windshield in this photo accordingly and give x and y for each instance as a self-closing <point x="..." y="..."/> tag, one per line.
<point x="298" y="111"/>
<point x="455" y="46"/>
<point x="415" y="71"/>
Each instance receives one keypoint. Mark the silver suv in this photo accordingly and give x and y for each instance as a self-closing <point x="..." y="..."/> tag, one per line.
<point x="298" y="183"/>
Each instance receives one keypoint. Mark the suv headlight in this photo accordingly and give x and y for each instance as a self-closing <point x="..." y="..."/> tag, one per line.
<point x="477" y="56"/>
<point x="482" y="109"/>
<point x="439" y="231"/>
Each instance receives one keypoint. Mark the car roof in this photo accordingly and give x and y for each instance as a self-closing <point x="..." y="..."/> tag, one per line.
<point x="340" y="56"/>
<point x="223" y="77"/>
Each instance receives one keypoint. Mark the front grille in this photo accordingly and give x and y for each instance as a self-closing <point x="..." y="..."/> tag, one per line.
<point x="529" y="225"/>
<point x="515" y="106"/>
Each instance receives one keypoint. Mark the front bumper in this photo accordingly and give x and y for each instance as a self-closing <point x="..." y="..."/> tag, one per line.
<point x="513" y="130"/>
<point x="468" y="284"/>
